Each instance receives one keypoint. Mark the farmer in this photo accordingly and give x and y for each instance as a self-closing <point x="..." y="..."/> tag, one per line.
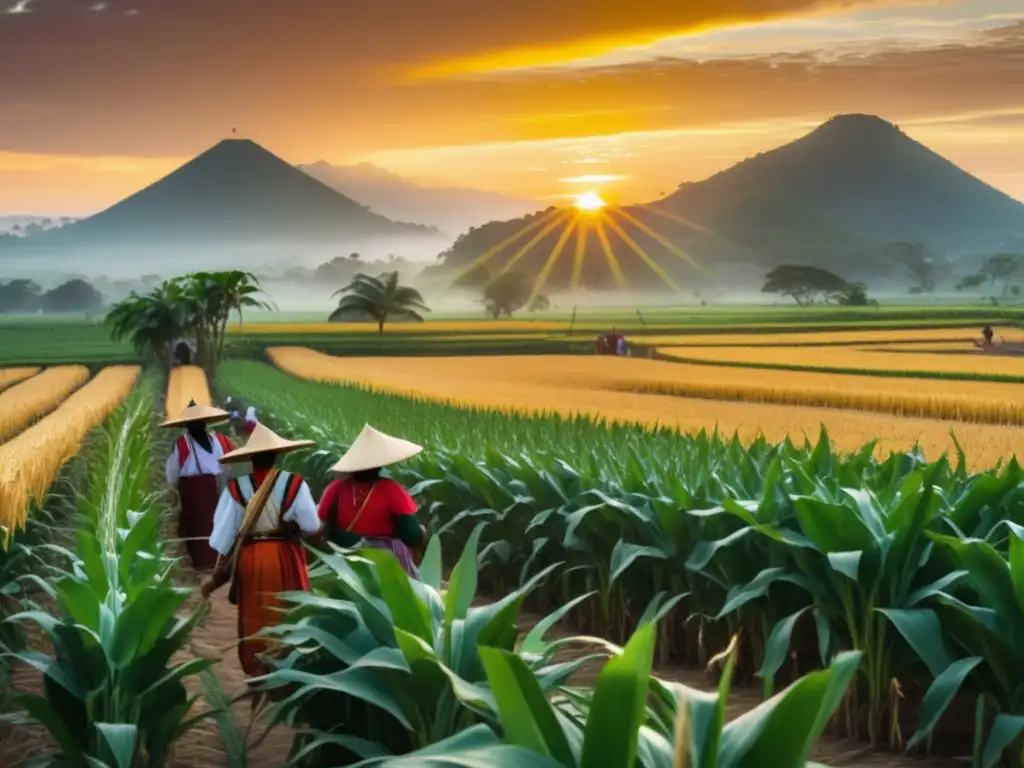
<point x="256" y="532"/>
<point x="193" y="470"/>
<point x="365" y="509"/>
<point x="987" y="333"/>
<point x="250" y="420"/>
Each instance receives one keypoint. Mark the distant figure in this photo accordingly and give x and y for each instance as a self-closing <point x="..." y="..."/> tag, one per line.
<point x="250" y="420"/>
<point x="987" y="334"/>
<point x="620" y="346"/>
<point x="193" y="469"/>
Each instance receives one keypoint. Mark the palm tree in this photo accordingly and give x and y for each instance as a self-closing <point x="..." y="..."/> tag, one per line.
<point x="211" y="297"/>
<point x="378" y="297"/>
<point x="151" y="322"/>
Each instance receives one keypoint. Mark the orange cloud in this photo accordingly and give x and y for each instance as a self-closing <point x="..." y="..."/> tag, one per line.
<point x="633" y="27"/>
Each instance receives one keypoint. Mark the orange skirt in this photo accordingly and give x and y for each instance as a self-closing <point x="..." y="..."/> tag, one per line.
<point x="265" y="568"/>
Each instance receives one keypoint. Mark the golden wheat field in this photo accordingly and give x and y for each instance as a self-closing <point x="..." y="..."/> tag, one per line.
<point x="12" y="376"/>
<point x="32" y="399"/>
<point x="565" y="384"/>
<point x="962" y="338"/>
<point x="854" y="359"/>
<point x="458" y="326"/>
<point x="30" y="462"/>
<point x="186" y="383"/>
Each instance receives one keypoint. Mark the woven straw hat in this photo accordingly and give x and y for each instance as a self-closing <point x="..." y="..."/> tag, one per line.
<point x="373" y="449"/>
<point x="262" y="440"/>
<point x="198" y="413"/>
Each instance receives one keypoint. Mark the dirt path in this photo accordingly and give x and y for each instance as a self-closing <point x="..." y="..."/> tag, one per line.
<point x="204" y="747"/>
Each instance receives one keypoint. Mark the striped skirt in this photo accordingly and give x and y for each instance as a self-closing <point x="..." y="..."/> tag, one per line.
<point x="265" y="568"/>
<point x="399" y="549"/>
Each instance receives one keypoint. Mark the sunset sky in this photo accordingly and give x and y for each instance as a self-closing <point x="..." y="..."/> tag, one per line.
<point x="544" y="98"/>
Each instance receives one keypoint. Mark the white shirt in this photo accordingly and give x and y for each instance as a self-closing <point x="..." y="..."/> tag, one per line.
<point x="199" y="461"/>
<point x="227" y="519"/>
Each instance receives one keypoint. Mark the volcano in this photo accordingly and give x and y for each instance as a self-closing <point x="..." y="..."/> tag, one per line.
<point x="236" y="192"/>
<point x="869" y="178"/>
<point x="837" y="198"/>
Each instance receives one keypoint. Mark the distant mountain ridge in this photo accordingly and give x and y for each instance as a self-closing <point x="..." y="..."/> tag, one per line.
<point x="837" y="198"/>
<point x="452" y="210"/>
<point x="871" y="179"/>
<point x="236" y="192"/>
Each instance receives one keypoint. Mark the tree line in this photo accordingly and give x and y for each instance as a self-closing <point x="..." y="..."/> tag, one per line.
<point x="23" y="297"/>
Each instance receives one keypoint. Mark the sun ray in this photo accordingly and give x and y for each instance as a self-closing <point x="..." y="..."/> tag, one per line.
<point x="560" y="219"/>
<point x="582" y="232"/>
<point x="675" y="249"/>
<point x="484" y="257"/>
<point x="613" y="263"/>
<point x="694" y="225"/>
<point x="635" y="247"/>
<point x="680" y="219"/>
<point x="549" y="265"/>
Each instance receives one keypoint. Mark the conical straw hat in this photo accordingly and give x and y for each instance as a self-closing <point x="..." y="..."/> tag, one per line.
<point x="373" y="449"/>
<point x="262" y="440"/>
<point x="198" y="413"/>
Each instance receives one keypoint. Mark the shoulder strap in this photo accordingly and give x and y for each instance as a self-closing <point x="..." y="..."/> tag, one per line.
<point x="252" y="513"/>
<point x="183" y="451"/>
<point x="241" y="490"/>
<point x="348" y="528"/>
<point x="292" y="485"/>
<point x="225" y="442"/>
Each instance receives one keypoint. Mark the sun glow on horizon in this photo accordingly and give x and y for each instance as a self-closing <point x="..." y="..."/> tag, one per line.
<point x="590" y="201"/>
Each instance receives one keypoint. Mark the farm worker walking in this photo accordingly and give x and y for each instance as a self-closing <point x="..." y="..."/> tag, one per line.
<point x="256" y="531"/>
<point x="250" y="420"/>
<point x="365" y="509"/>
<point x="193" y="470"/>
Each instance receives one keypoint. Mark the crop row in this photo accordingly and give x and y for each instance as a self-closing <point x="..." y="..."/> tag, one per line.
<point x="32" y="399"/>
<point x="30" y="461"/>
<point x="186" y="383"/>
<point x="581" y="385"/>
<point x="843" y="359"/>
<point x="801" y="551"/>
<point x="115" y="657"/>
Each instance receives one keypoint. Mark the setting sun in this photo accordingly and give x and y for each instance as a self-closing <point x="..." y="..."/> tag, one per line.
<point x="590" y="201"/>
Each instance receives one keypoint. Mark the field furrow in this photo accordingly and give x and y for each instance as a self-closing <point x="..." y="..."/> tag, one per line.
<point x="30" y="461"/>
<point x="11" y="376"/>
<point x="30" y="400"/>
<point x="846" y="360"/>
<point x="562" y="385"/>
<point x="186" y="383"/>
<point x="964" y="337"/>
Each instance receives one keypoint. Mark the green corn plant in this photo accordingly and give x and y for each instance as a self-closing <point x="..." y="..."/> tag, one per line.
<point x="112" y="693"/>
<point x="976" y="642"/>
<point x="800" y="550"/>
<point x="854" y="556"/>
<point x="376" y="663"/>
<point x="632" y="719"/>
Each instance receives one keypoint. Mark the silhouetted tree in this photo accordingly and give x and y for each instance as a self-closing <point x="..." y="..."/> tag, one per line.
<point x="19" y="296"/>
<point x="507" y="293"/>
<point x="540" y="303"/>
<point x="804" y="284"/>
<point x="379" y="298"/>
<point x="72" y="296"/>
<point x="855" y="295"/>
<point x="1002" y="266"/>
<point x="921" y="267"/>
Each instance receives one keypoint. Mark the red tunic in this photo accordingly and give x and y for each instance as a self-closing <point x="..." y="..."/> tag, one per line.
<point x="345" y="497"/>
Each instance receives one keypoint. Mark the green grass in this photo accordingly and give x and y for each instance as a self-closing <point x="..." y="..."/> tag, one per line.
<point x="50" y="340"/>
